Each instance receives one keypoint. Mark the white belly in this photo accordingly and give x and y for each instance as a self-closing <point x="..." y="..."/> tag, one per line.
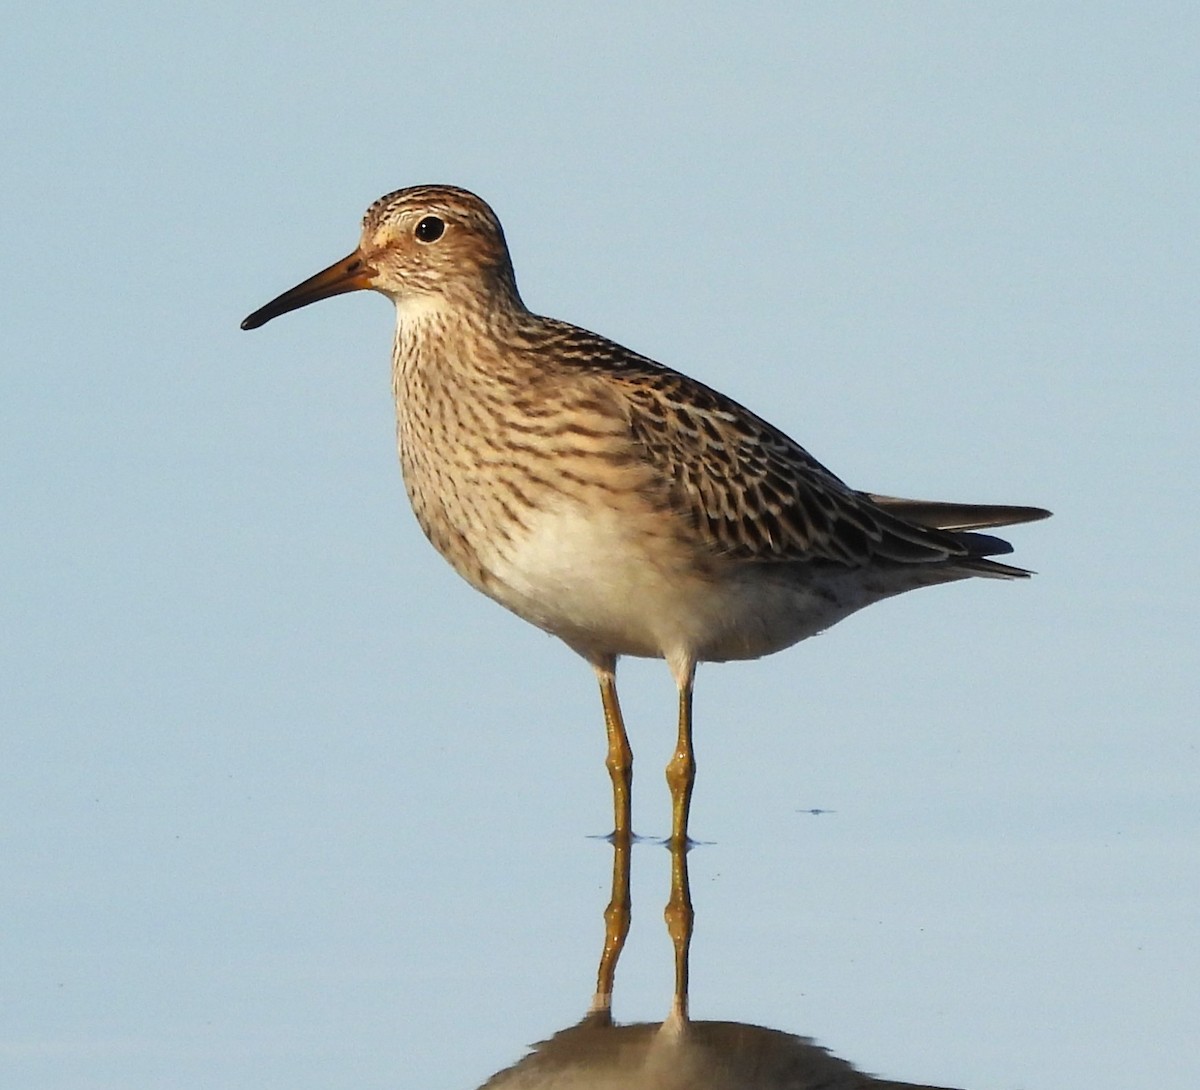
<point x="609" y="586"/>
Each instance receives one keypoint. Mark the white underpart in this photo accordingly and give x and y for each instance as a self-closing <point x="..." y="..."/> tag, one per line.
<point x="585" y="577"/>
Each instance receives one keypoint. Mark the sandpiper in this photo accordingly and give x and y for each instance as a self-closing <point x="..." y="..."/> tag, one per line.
<point x="611" y="501"/>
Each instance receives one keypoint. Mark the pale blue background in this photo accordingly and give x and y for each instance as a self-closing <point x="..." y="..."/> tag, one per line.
<point x="285" y="804"/>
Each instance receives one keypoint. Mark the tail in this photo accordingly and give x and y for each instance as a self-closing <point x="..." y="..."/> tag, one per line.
<point x="956" y="518"/>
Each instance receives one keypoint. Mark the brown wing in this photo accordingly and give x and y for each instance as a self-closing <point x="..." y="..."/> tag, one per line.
<point x="751" y="491"/>
<point x="758" y="495"/>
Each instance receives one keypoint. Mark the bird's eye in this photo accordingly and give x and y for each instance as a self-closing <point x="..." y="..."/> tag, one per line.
<point x="430" y="229"/>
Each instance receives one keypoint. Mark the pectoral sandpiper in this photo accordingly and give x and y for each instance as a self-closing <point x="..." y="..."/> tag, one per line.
<point x="614" y="502"/>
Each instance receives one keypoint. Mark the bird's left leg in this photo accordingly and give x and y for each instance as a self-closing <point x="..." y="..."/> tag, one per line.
<point x="681" y="776"/>
<point x="681" y="769"/>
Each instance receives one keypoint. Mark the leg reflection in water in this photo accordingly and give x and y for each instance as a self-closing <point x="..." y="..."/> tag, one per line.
<point x="616" y="928"/>
<point x="680" y="919"/>
<point x="676" y="1054"/>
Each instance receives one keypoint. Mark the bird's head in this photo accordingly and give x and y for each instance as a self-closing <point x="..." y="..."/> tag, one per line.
<point x="426" y="245"/>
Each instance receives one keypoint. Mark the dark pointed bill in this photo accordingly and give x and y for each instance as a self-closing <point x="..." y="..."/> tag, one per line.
<point x="350" y="274"/>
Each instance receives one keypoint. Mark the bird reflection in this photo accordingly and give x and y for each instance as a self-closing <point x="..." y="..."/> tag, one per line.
<point x="678" y="1053"/>
<point x="700" y="1056"/>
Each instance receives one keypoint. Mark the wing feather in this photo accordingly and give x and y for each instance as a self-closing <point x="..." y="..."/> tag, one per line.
<point x="753" y="493"/>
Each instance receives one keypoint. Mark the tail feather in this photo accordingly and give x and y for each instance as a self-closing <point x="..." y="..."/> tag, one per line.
<point x="979" y="548"/>
<point x="959" y="520"/>
<point x="993" y="569"/>
<point x="935" y="515"/>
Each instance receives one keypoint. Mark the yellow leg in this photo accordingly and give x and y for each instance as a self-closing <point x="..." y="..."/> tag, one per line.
<point x="681" y="769"/>
<point x="680" y="920"/>
<point x="616" y="928"/>
<point x="620" y="757"/>
<point x="619" y="763"/>
<point x="681" y="776"/>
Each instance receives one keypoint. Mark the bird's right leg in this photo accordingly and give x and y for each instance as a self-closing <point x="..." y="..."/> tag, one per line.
<point x="619" y="761"/>
<point x="620" y="770"/>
